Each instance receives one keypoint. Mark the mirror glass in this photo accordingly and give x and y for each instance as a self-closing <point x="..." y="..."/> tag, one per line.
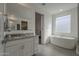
<point x="11" y="24"/>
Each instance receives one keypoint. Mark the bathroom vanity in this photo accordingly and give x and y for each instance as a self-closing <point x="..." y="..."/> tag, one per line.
<point x="17" y="36"/>
<point x="20" y="44"/>
<point x="16" y="39"/>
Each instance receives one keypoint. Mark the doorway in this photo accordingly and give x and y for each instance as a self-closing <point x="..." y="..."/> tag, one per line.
<point x="39" y="22"/>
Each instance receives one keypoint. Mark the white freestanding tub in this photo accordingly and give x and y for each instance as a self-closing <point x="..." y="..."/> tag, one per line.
<point x="65" y="42"/>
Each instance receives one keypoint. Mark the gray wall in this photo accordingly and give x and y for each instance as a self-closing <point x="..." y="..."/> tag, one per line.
<point x="74" y="20"/>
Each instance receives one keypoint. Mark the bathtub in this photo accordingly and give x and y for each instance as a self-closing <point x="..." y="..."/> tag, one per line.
<point x="63" y="41"/>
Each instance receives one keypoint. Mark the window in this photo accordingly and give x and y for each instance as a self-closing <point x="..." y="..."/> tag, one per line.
<point x="63" y="24"/>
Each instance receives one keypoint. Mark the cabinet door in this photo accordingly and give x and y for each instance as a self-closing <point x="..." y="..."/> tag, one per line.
<point x="20" y="50"/>
<point x="15" y="50"/>
<point x="24" y="48"/>
<point x="12" y="51"/>
<point x="35" y="43"/>
<point x="28" y="48"/>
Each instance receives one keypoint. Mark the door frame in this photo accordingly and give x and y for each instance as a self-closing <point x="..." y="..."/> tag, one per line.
<point x="42" y="27"/>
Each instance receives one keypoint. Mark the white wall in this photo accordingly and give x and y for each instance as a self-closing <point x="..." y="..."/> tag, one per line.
<point x="74" y="19"/>
<point x="22" y="12"/>
<point x="47" y="27"/>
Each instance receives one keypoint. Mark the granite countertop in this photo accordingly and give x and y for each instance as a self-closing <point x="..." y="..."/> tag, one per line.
<point x="18" y="38"/>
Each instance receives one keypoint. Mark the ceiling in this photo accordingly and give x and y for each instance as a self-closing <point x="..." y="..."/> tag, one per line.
<point x="53" y="8"/>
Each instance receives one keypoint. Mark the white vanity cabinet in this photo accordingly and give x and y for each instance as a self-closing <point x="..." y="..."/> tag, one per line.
<point x="22" y="47"/>
<point x="14" y="50"/>
<point x="35" y="43"/>
<point x="28" y="48"/>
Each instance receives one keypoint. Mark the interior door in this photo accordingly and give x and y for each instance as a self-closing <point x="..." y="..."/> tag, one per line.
<point x="38" y="25"/>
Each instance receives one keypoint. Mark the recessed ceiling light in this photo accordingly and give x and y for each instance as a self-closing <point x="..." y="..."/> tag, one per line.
<point x="61" y="10"/>
<point x="12" y="17"/>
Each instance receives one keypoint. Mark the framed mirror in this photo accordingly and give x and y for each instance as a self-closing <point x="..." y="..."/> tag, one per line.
<point x="24" y="25"/>
<point x="12" y="23"/>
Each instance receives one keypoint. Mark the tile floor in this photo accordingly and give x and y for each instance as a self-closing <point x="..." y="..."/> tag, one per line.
<point x="52" y="50"/>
